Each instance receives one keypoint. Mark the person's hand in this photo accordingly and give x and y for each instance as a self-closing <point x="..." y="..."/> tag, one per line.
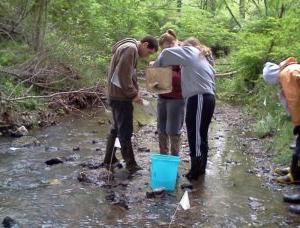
<point x="137" y="99"/>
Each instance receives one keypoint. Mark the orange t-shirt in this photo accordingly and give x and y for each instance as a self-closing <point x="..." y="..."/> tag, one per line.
<point x="289" y="78"/>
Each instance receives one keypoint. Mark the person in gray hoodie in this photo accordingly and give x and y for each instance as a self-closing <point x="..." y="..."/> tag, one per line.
<point x="198" y="89"/>
<point x="122" y="91"/>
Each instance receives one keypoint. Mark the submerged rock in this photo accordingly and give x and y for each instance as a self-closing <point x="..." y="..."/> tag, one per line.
<point x="143" y="149"/>
<point x="54" y="161"/>
<point x="256" y="204"/>
<point x="110" y="196"/>
<point x="156" y="193"/>
<point x="98" y="177"/>
<point x="82" y="177"/>
<point x="95" y="141"/>
<point x="55" y="182"/>
<point x="51" y="149"/>
<point x="98" y="164"/>
<point x="122" y="204"/>
<point x="92" y="164"/>
<point x="25" y="141"/>
<point x="72" y="158"/>
<point x="76" y="148"/>
<point x="186" y="186"/>
<point x="101" y="122"/>
<point x="19" y="132"/>
<point x="117" y="200"/>
<point x="8" y="222"/>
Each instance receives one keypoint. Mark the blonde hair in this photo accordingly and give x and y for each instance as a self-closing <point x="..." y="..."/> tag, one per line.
<point x="204" y="50"/>
<point x="169" y="36"/>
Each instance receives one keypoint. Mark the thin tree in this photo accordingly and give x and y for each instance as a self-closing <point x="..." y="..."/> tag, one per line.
<point x="232" y="15"/>
<point x="179" y="5"/>
<point x="39" y="14"/>
<point x="242" y="9"/>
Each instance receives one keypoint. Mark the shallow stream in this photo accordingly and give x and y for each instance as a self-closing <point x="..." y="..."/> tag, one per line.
<point x="37" y="195"/>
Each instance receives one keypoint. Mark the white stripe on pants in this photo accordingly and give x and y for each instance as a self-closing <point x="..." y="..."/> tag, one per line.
<point x="198" y="125"/>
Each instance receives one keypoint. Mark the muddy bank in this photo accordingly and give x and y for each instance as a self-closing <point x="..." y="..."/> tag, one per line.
<point x="263" y="159"/>
<point x="255" y="148"/>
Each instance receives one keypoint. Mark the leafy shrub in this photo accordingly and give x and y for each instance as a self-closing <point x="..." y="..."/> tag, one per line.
<point x="266" y="126"/>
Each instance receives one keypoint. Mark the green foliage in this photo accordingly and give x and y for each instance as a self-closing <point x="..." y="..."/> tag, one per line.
<point x="281" y="142"/>
<point x="12" y="53"/>
<point x="206" y="27"/>
<point x="266" y="126"/>
<point x="260" y="40"/>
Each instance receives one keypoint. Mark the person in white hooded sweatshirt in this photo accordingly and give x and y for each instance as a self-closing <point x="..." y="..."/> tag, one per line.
<point x="198" y="90"/>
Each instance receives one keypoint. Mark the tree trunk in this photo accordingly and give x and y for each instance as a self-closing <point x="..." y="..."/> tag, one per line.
<point x="266" y="7"/>
<point x="242" y="9"/>
<point x="257" y="6"/>
<point x="282" y="11"/>
<point x="179" y="5"/>
<point x="39" y="13"/>
<point x="213" y="6"/>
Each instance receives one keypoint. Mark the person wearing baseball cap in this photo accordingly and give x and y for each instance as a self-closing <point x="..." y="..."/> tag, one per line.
<point x="287" y="75"/>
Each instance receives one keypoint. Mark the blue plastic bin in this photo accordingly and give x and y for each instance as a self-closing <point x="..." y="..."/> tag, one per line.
<point x="164" y="170"/>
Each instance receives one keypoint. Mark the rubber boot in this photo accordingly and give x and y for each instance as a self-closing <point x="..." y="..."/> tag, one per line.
<point x="294" y="209"/>
<point x="203" y="164"/>
<point x="282" y="171"/>
<point x="195" y="170"/>
<point x="175" y="144"/>
<point x="128" y="155"/>
<point x="163" y="140"/>
<point x="294" y="176"/>
<point x="291" y="198"/>
<point x="110" y="161"/>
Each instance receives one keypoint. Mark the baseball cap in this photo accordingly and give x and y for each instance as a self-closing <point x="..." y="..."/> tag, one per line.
<point x="271" y="72"/>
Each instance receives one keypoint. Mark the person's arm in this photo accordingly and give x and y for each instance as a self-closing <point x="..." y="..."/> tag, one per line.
<point x="172" y="56"/>
<point x="125" y="70"/>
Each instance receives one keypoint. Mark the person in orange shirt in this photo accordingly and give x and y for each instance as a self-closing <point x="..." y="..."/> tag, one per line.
<point x="287" y="74"/>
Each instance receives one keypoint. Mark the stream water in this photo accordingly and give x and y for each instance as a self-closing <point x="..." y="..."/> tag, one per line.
<point x="37" y="195"/>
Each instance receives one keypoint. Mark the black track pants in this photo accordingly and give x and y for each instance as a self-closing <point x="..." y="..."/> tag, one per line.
<point x="199" y="112"/>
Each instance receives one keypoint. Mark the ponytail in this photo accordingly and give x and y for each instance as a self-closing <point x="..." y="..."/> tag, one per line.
<point x="169" y="36"/>
<point x="204" y="50"/>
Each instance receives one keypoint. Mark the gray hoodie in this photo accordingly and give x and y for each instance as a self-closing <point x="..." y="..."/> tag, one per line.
<point x="197" y="74"/>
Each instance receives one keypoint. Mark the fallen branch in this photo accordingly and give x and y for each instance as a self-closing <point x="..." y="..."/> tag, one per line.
<point x="85" y="90"/>
<point x="217" y="75"/>
<point x="227" y="73"/>
<point x="13" y="72"/>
